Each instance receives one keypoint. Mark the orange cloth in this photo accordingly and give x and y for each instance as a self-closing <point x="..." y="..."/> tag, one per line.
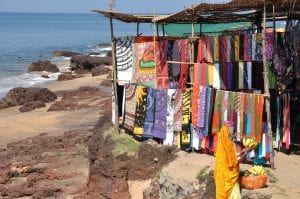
<point x="226" y="165"/>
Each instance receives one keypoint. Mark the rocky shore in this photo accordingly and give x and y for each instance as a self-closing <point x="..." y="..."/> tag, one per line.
<point x="57" y="141"/>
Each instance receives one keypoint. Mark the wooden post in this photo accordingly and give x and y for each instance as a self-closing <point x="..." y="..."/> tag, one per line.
<point x="266" y="88"/>
<point x="114" y="65"/>
<point x="137" y="28"/>
<point x="163" y="29"/>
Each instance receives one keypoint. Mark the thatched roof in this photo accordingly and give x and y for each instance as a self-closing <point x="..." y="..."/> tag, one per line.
<point x="236" y="10"/>
<point x="128" y="18"/>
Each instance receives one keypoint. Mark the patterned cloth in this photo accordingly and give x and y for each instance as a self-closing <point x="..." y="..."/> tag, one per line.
<point x="184" y="68"/>
<point x="161" y="64"/>
<point x="160" y="118"/>
<point x="144" y="62"/>
<point x="124" y="57"/>
<point x="140" y="112"/>
<point x="269" y="45"/>
<point x="150" y="109"/>
<point x="130" y="106"/>
<point x="178" y="100"/>
<point x="170" y="118"/>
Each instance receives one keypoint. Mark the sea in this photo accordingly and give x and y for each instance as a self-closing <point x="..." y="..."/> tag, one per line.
<point x="28" y="37"/>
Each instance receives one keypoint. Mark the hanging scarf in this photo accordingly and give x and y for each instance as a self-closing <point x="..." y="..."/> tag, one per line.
<point x="228" y="48"/>
<point x="216" y="48"/>
<point x="170" y="118"/>
<point x="130" y="107"/>
<point x="201" y="103"/>
<point x="161" y="65"/>
<point x="200" y="57"/>
<point x="186" y="108"/>
<point x="184" y="68"/>
<point x="237" y="47"/>
<point x="258" y="49"/>
<point x="242" y="40"/>
<point x="208" y="49"/>
<point x="212" y="48"/>
<point x="178" y="100"/>
<point x="150" y="109"/>
<point x="253" y="46"/>
<point x="210" y="81"/>
<point x="241" y="75"/>
<point x="160" y="118"/>
<point x="140" y="112"/>
<point x="195" y="104"/>
<point x="269" y="45"/>
<point x="216" y="76"/>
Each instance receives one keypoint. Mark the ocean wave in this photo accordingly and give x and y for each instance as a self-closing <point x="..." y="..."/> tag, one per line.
<point x="25" y="80"/>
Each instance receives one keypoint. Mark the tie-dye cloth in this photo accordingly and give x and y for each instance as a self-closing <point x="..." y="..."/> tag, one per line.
<point x="178" y="100"/>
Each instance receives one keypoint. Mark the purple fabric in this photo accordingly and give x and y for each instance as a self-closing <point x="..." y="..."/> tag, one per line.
<point x="201" y="107"/>
<point x="160" y="118"/>
<point x="269" y="45"/>
<point x="149" y="120"/>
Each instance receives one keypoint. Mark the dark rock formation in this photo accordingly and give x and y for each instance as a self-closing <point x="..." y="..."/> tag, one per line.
<point x="45" y="76"/>
<point x="84" y="62"/>
<point x="104" y="44"/>
<point x="29" y="106"/>
<point x="20" y="96"/>
<point x="100" y="70"/>
<point x="43" y="66"/>
<point x="68" y="76"/>
<point x="109" y="174"/>
<point x="63" y="53"/>
<point x="109" y="53"/>
<point x="77" y="99"/>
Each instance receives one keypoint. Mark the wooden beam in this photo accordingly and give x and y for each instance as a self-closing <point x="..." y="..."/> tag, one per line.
<point x="114" y="66"/>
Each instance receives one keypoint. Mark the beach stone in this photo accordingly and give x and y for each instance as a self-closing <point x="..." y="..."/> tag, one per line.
<point x="43" y="66"/>
<point x="68" y="76"/>
<point x="100" y="70"/>
<point x="20" y="96"/>
<point x="85" y="62"/>
<point x="63" y="53"/>
<point x="30" y="106"/>
<point x="104" y="44"/>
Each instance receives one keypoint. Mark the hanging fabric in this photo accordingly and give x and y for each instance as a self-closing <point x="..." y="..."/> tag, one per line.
<point x="150" y="110"/>
<point x="140" y="112"/>
<point x="178" y="101"/>
<point x="130" y="106"/>
<point x="160" y="118"/>
<point x="184" y="68"/>
<point x="162" y="80"/>
<point x="124" y="57"/>
<point x="170" y="117"/>
<point x="144" y="63"/>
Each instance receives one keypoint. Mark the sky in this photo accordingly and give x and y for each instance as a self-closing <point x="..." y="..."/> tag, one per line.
<point x="84" y="6"/>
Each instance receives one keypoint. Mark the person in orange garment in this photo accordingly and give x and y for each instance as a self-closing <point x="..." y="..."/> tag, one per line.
<point x="226" y="165"/>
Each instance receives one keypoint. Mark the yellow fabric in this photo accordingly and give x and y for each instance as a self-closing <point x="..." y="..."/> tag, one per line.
<point x="210" y="74"/>
<point x="141" y="92"/>
<point x="235" y="193"/>
<point x="226" y="165"/>
<point x="216" y="48"/>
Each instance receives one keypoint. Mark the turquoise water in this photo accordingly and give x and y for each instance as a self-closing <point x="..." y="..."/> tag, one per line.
<point x="26" y="37"/>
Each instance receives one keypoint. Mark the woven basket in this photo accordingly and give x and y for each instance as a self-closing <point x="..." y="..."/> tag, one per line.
<point x="254" y="182"/>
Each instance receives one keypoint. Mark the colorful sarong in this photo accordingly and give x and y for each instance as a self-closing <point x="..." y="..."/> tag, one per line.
<point x="140" y="112"/>
<point x="161" y="65"/>
<point x="150" y="109"/>
<point x="160" y="118"/>
<point x="178" y="100"/>
<point x="130" y="106"/>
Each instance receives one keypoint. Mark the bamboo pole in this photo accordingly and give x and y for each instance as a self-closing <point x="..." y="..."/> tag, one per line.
<point x="114" y="66"/>
<point x="266" y="87"/>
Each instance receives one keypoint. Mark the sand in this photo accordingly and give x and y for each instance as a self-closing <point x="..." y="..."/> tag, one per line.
<point x="15" y="126"/>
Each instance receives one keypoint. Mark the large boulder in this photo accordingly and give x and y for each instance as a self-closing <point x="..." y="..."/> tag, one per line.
<point x="29" y="106"/>
<point x="68" y="76"/>
<point x="100" y="70"/>
<point x="43" y="66"/>
<point x="63" y="53"/>
<point x="20" y="96"/>
<point x="85" y="62"/>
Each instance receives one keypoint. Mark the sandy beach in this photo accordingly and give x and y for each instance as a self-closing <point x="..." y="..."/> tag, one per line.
<point x="16" y="126"/>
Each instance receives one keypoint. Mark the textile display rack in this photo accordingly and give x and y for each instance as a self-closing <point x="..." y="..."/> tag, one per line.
<point x="158" y="51"/>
